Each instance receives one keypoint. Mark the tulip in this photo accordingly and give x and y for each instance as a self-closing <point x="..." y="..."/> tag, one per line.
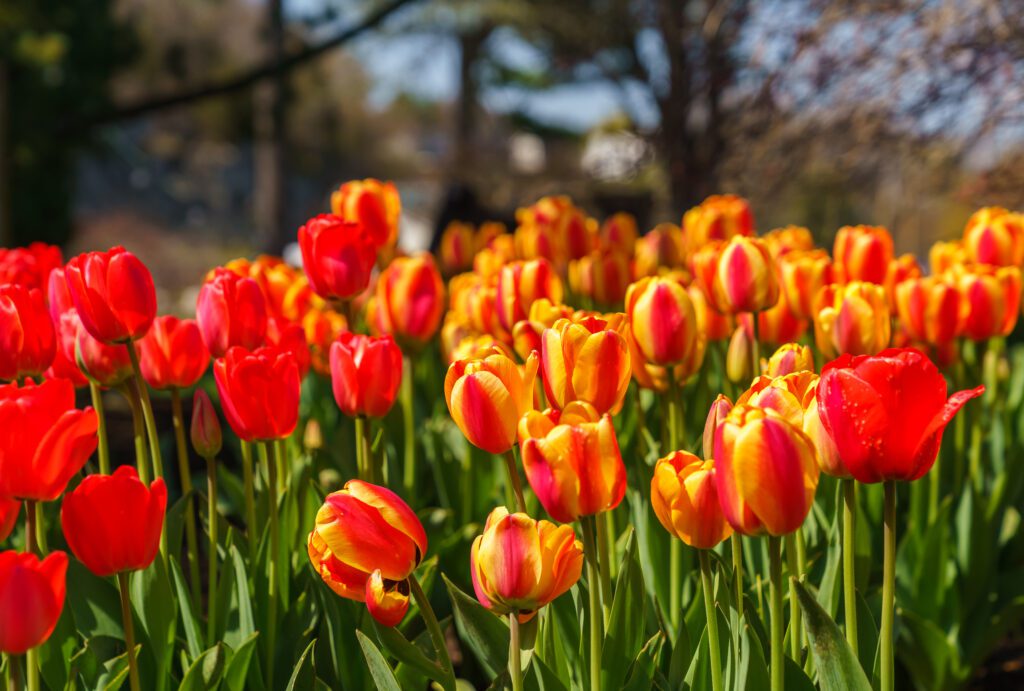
<point x="285" y="289"/>
<point x="27" y="340"/>
<point x="829" y="460"/>
<point x="719" y="217"/>
<point x="456" y="248"/>
<point x="488" y="261"/>
<point x="619" y="232"/>
<point x="337" y="256"/>
<point x="719" y="410"/>
<point x="29" y="267"/>
<point x="291" y="337"/>
<point x="9" y="509"/>
<point x="903" y="268"/>
<point x="602" y="276"/>
<point x="788" y="239"/>
<point x="739" y="357"/>
<point x="410" y="300"/>
<point x="372" y="203"/>
<point x="172" y="354"/>
<point x="572" y="461"/>
<point x="789" y="358"/>
<point x="660" y="248"/>
<point x="107" y="366"/>
<point x="662" y="320"/>
<point x="259" y="391"/>
<point x="862" y="253"/>
<point x="585" y="360"/>
<point x="520" y="284"/>
<point x="205" y="430"/>
<point x="474" y="300"/>
<point x="553" y="228"/>
<point x="44" y="440"/>
<point x="31" y="599"/>
<point x="989" y="300"/>
<point x="994" y="236"/>
<point x="486" y="396"/>
<point x="64" y="365"/>
<point x="852" y="318"/>
<point x="775" y="325"/>
<point x="685" y="500"/>
<point x="519" y="564"/>
<point x="929" y="309"/>
<point x="231" y="311"/>
<point x="526" y="335"/>
<point x="322" y="327"/>
<point x="943" y="256"/>
<point x="788" y="395"/>
<point x="365" y="374"/>
<point x="738" y="276"/>
<point x="114" y="294"/>
<point x="113" y="522"/>
<point x="365" y="545"/>
<point x="803" y="274"/>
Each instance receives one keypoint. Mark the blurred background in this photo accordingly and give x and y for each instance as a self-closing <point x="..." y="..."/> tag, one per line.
<point x="193" y="131"/>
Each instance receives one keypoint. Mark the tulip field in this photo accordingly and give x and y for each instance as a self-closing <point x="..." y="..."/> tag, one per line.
<point x="566" y="455"/>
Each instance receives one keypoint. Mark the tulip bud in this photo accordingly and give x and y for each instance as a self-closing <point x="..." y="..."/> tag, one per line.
<point x="259" y="392"/>
<point x="685" y="500"/>
<point x="206" y="434"/>
<point x="720" y="407"/>
<point x="862" y="253"/>
<point x="231" y="311"/>
<point x="619" y="232"/>
<point x="114" y="294"/>
<point x="738" y="276"/>
<point x="585" y="360"/>
<point x="172" y="354"/>
<point x="522" y="283"/>
<point x="789" y="358"/>
<point x="338" y="256"/>
<point x="995" y="236"/>
<point x="410" y="300"/>
<point x="519" y="564"/>
<point x="852" y="318"/>
<point x="803" y="274"/>
<point x="929" y="309"/>
<point x="27" y="340"/>
<point x="365" y="374"/>
<point x="455" y="249"/>
<point x="553" y="228"/>
<point x="662" y="320"/>
<point x="738" y="357"/>
<point x="32" y="591"/>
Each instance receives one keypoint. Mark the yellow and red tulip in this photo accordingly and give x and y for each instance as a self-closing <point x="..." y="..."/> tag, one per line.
<point x="410" y="300"/>
<point x="602" y="275"/>
<point x="586" y="359"/>
<point x="862" y="253"/>
<point x="803" y="274"/>
<point x="520" y="284"/>
<point x="782" y="241"/>
<point x="929" y="309"/>
<point x="684" y="497"/>
<point x="789" y="358"/>
<point x="374" y="204"/>
<point x="994" y="236"/>
<point x="989" y="299"/>
<point x="662" y="320"/>
<point x="659" y="249"/>
<point x="719" y="217"/>
<point x="619" y="233"/>
<point x="738" y="276"/>
<point x="943" y="256"/>
<point x="852" y="318"/>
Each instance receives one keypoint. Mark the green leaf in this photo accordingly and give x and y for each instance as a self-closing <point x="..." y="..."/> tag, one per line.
<point x="838" y="668"/>
<point x="156" y="608"/>
<point x="624" y="636"/>
<point x="303" y="675"/>
<point x="682" y="653"/>
<point x="238" y="667"/>
<point x="486" y="634"/>
<point x="193" y="636"/>
<point x="241" y="600"/>
<point x="641" y="673"/>
<point x="205" y="672"/>
<point x="94" y="602"/>
<point x="55" y="654"/>
<point x="405" y="652"/>
<point x="383" y="677"/>
<point x="115" y="671"/>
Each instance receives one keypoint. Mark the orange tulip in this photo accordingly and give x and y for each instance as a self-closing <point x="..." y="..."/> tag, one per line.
<point x="995" y="236"/>
<point x="989" y="299"/>
<point x="487" y="395"/>
<point x="322" y="327"/>
<point x="713" y="325"/>
<point x="555" y="229"/>
<point x="766" y="471"/>
<point x="410" y="300"/>
<point x="738" y="276"/>
<point x="782" y="241"/>
<point x="619" y="233"/>
<point x="662" y="320"/>
<point x="475" y="299"/>
<point x="572" y="461"/>
<point x="803" y="274"/>
<point x="684" y="497"/>
<point x="519" y="564"/>
<point x="943" y="256"/>
<point x="789" y="358"/>
<point x="286" y="289"/>
<point x="852" y="318"/>
<point x="526" y="335"/>
<point x="775" y="325"/>
<point x="585" y="360"/>
<point x="929" y="309"/>
<point x="719" y="217"/>
<point x="455" y="249"/>
<point x="659" y="249"/>
<point x="372" y="203"/>
<point x="520" y="284"/>
<point x="602" y="275"/>
<point x="862" y="253"/>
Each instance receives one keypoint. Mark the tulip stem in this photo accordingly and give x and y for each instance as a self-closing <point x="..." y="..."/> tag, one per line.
<point x="737" y="570"/>
<point x="129" y="631"/>
<point x="605" y="558"/>
<point x="250" y="499"/>
<point x="361" y="470"/>
<point x="755" y="346"/>
<point x="778" y="652"/>
<point x="191" y="540"/>
<point x="675" y="546"/>
<point x="849" y="554"/>
<point x="32" y="669"/>
<point x="888" y="587"/>
<point x="30" y="528"/>
<point x="436" y="634"/>
<point x="793" y="564"/>
<point x="139" y="432"/>
<point x="282" y="466"/>
<point x="211" y="512"/>
<point x="513" y="480"/>
<point x="515" y="666"/>
<point x="712" y="615"/>
<point x="594" y="592"/>
<point x="272" y="453"/>
<point x="101" y="432"/>
<point x="147" y="412"/>
<point x="409" y="418"/>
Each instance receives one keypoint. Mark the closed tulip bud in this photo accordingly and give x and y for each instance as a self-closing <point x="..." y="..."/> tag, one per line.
<point x="602" y="276"/>
<point x="106" y="365"/>
<point x="943" y="256"/>
<point x="585" y="360"/>
<point x="929" y="309"/>
<point x="766" y="471"/>
<point x="338" y="256"/>
<point x="572" y="461"/>
<point x="522" y="283"/>
<point x="365" y="374"/>
<point x="45" y="440"/>
<point x="852" y="318"/>
<point x="782" y="241"/>
<point x="660" y="248"/>
<point x="738" y="357"/>
<point x="259" y="392"/>
<point x="619" y="232"/>
<point x="720" y="408"/>
<point x="205" y="430"/>
<point x="803" y="274"/>
<point x="994" y="236"/>
<point x="172" y="355"/>
<point x="30" y="266"/>
<point x="738" y="276"/>
<point x="113" y="522"/>
<point x="684" y="497"/>
<point x="9" y="509"/>
<point x="456" y="248"/>
<point x="989" y="300"/>
<point x="719" y="217"/>
<point x="775" y="325"/>
<point x="373" y="204"/>
<point x="365" y="545"/>
<point x="789" y="358"/>
<point x="828" y="457"/>
<point x="487" y="395"/>
<point x="886" y="413"/>
<point x="662" y="320"/>
<point x="903" y="268"/>
<point x="28" y="343"/>
<point x="231" y="311"/>
<point x="32" y="592"/>
<point x="520" y="564"/>
<point x="711" y="324"/>
<point x="862" y="253"/>
<point x="410" y="298"/>
<point x="114" y="294"/>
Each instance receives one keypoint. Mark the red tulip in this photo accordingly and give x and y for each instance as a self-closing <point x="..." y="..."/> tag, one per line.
<point x="337" y="256"/>
<point x="290" y="336"/>
<point x="31" y="599"/>
<point x="29" y="266"/>
<point x="27" y="341"/>
<point x="886" y="412"/>
<point x="44" y="440"/>
<point x="9" y="509"/>
<point x="231" y="311"/>
<point x="114" y="294"/>
<point x="113" y="522"/>
<point x="259" y="391"/>
<point x="172" y="354"/>
<point x="107" y="365"/>
<point x="365" y="374"/>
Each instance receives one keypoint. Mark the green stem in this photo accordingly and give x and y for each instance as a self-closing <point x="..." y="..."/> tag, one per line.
<point x="32" y="669"/>
<point x="605" y="558"/>
<point x="101" y="432"/>
<point x="139" y="432"/>
<point x="363" y="471"/>
<point x="594" y="591"/>
<point x="282" y="466"/>
<point x="191" y="539"/>
<point x="849" y="555"/>
<point x="211" y="513"/>
<point x="41" y="545"/>
<point x="147" y="412"/>
<point x="250" y="497"/>
<point x="737" y="570"/>
<point x="755" y="346"/>
<point x="436" y="635"/>
<point x="675" y="582"/>
<point x="778" y="652"/>
<point x="712" y="615"/>
<point x="409" y="420"/>
<point x="515" y="667"/>
<point x="374" y="463"/>
<point x="888" y="587"/>
<point x="129" y="631"/>
<point x="793" y="563"/>
<point x="272" y="585"/>
<point x="30" y="528"/>
<point x="513" y="479"/>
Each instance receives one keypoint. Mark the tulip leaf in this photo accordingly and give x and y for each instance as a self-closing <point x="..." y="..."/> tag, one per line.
<point x="115" y="671"/>
<point x="624" y="636"/>
<point x="238" y="666"/>
<point x="55" y="654"/>
<point x="682" y="653"/>
<point x="241" y="599"/>
<point x="485" y="633"/>
<point x="193" y="636"/>
<point x="205" y="672"/>
<point x="338" y="625"/>
<point x="303" y="675"/>
<point x="405" y="652"/>
<point x="838" y="668"/>
<point x="156" y="608"/>
<point x="641" y="675"/>
<point x="383" y="677"/>
<point x="94" y="602"/>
